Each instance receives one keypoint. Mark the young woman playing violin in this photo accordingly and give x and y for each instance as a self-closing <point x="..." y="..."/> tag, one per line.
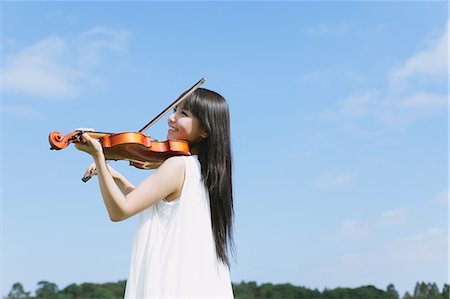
<point x="185" y="207"/>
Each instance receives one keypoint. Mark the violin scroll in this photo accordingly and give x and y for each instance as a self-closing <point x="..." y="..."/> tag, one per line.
<point x="58" y="142"/>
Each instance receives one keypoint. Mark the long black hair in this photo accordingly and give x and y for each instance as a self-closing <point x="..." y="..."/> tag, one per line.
<point x="215" y="160"/>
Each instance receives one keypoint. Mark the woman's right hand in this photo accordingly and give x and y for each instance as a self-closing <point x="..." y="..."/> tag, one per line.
<point x="124" y="185"/>
<point x="92" y="170"/>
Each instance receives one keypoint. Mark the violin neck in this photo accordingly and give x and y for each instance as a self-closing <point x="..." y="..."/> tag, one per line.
<point x="96" y="135"/>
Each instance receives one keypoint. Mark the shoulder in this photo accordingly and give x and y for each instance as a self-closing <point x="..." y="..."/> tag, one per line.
<point x="174" y="162"/>
<point x="173" y="171"/>
<point x="173" y="166"/>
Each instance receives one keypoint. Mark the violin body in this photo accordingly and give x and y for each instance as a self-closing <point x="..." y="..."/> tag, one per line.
<point x="136" y="147"/>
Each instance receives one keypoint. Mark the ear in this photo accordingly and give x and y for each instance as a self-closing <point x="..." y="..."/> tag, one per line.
<point x="204" y="134"/>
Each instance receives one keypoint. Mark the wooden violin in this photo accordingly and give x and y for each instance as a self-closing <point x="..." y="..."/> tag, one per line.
<point x="136" y="147"/>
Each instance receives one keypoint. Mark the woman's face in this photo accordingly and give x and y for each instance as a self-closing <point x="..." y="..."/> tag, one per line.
<point x="185" y="126"/>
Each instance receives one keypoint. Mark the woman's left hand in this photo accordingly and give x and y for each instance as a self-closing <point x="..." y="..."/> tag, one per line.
<point x="90" y="145"/>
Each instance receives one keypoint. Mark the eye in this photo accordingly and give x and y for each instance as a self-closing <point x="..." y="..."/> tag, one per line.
<point x="184" y="113"/>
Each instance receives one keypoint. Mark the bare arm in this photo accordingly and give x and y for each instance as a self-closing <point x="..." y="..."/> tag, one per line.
<point x="165" y="181"/>
<point x="124" y="185"/>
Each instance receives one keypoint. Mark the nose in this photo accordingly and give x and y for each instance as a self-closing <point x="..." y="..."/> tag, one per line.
<point x="171" y="118"/>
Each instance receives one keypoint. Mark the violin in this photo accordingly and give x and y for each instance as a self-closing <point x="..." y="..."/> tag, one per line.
<point x="136" y="147"/>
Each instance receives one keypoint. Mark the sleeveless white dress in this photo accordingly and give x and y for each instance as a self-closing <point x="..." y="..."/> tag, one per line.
<point x="173" y="253"/>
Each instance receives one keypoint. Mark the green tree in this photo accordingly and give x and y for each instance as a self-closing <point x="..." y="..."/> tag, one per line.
<point x="245" y="290"/>
<point x="302" y="292"/>
<point x="338" y="293"/>
<point x="286" y="290"/>
<point x="73" y="291"/>
<point x="366" y="292"/>
<point x="391" y="292"/>
<point x="87" y="289"/>
<point x="118" y="288"/>
<point x="17" y="292"/>
<point x="433" y="291"/>
<point x="446" y="291"/>
<point x="407" y="296"/>
<point x="265" y="291"/>
<point x="102" y="293"/>
<point x="47" y="290"/>
<point x="421" y="290"/>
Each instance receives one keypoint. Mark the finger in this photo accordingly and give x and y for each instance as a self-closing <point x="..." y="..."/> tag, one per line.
<point x="90" y="169"/>
<point x="86" y="138"/>
<point x="80" y="140"/>
<point x="93" y="142"/>
<point x="80" y="146"/>
<point x="90" y="173"/>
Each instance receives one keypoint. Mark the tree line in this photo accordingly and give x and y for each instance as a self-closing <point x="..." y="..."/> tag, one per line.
<point x="242" y="290"/>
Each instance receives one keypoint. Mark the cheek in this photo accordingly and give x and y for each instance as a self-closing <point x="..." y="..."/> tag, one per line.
<point x="186" y="126"/>
<point x="197" y="126"/>
<point x="183" y="128"/>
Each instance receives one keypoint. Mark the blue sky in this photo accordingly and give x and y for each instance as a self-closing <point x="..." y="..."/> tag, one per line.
<point x="339" y="118"/>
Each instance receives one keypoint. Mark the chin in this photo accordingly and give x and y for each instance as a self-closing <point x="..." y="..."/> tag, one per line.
<point x="171" y="137"/>
<point x="175" y="136"/>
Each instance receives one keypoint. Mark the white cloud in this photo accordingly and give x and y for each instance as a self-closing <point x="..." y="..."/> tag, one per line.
<point x="36" y="70"/>
<point x="351" y="230"/>
<point x="430" y="63"/>
<point x="22" y="111"/>
<point x="94" y="43"/>
<point x="431" y="232"/>
<point x="357" y="106"/>
<point x="370" y="106"/>
<point x="403" y="262"/>
<point x="442" y="197"/>
<point x="330" y="179"/>
<point x="394" y="217"/>
<point x="410" y="108"/>
<point x="372" y="111"/>
<point x="55" y="67"/>
<point x="424" y="100"/>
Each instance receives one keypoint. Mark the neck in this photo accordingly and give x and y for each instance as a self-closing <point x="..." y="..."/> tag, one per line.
<point x="195" y="149"/>
<point x="196" y="146"/>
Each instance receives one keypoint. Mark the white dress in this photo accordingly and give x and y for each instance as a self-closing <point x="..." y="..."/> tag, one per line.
<point x="174" y="254"/>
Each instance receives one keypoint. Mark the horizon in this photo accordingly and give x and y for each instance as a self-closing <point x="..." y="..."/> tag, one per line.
<point x="411" y="292"/>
